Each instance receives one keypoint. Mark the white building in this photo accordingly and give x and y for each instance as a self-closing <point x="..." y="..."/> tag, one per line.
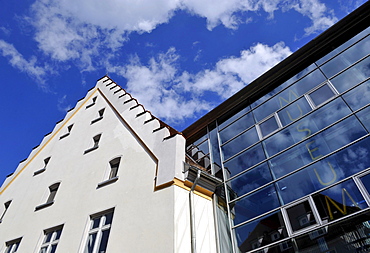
<point x="109" y="178"/>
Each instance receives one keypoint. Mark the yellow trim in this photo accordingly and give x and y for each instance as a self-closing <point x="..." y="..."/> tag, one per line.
<point x="43" y="146"/>
<point x="200" y="191"/>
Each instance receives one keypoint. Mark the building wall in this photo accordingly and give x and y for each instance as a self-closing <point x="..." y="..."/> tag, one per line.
<point x="296" y="159"/>
<point x="143" y="218"/>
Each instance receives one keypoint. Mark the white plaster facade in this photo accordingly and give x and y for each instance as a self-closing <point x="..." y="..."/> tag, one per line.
<point x="149" y="197"/>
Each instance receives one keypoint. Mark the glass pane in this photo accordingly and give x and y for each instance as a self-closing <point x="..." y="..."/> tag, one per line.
<point x="251" y="180"/>
<point x="239" y="143"/>
<point x="285" y="97"/>
<point x="215" y="150"/>
<point x="339" y="201"/>
<point x="307" y="126"/>
<point x="268" y="126"/>
<point x="234" y="117"/>
<point x="352" y="76"/>
<point x="53" y="248"/>
<point x="284" y="85"/>
<point x="294" y="111"/>
<point x="321" y="95"/>
<point x="364" y="117"/>
<point x="261" y="232"/>
<point x="204" y="147"/>
<point x="285" y="247"/>
<point x="315" y="147"/>
<point x="90" y="243"/>
<point x="108" y="218"/>
<point x="237" y="127"/>
<point x="255" y="204"/>
<point x="350" y="235"/>
<point x="366" y="182"/>
<point x="346" y="58"/>
<point x="301" y="216"/>
<point x="344" y="46"/>
<point x="323" y="173"/>
<point x="42" y="250"/>
<point x="48" y="237"/>
<point x="104" y="241"/>
<point x="359" y="96"/>
<point x="58" y="233"/>
<point x="245" y="160"/>
<point x="96" y="222"/>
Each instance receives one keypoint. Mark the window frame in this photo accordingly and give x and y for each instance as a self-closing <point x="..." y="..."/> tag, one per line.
<point x="108" y="177"/>
<point x="100" y="116"/>
<point x="96" y="140"/>
<point x="97" y="230"/>
<point x="69" y="129"/>
<point x="53" y="231"/>
<point x="53" y="189"/>
<point x="13" y="245"/>
<point x="6" y="205"/>
<point x="46" y="162"/>
<point x="92" y="103"/>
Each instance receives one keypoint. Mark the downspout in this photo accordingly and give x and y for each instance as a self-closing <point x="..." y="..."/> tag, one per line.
<point x="192" y="214"/>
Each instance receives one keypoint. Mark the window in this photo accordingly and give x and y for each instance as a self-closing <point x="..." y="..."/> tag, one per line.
<point x="112" y="173"/>
<point x="96" y="140"/>
<point x="6" y="204"/>
<point x="12" y="246"/>
<point x="52" y="192"/>
<point x="93" y="102"/>
<point x="321" y="95"/>
<point x="51" y="239"/>
<point x="69" y="128"/>
<point x="100" y="116"/>
<point x="301" y="216"/>
<point x="269" y="126"/>
<point x="46" y="161"/>
<point x="114" y="164"/>
<point x="99" y="229"/>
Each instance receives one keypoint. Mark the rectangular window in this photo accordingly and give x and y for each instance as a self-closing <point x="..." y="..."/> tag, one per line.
<point x="92" y="103"/>
<point x="100" y="116"/>
<point x="53" y="191"/>
<point x="12" y="246"/>
<point x="96" y="140"/>
<point x="99" y="229"/>
<point x="51" y="240"/>
<point x="268" y="126"/>
<point x="46" y="161"/>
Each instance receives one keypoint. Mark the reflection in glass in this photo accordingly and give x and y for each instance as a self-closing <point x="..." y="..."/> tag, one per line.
<point x="237" y="127"/>
<point x="339" y="201"/>
<point x="317" y="146"/>
<point x="346" y="58"/>
<point x="352" y="76"/>
<point x="359" y="96"/>
<point x="344" y="45"/>
<point x="301" y="216"/>
<point x="234" y="117"/>
<point x="321" y="95"/>
<point x="350" y="235"/>
<point x="307" y="126"/>
<point x="284" y="85"/>
<point x="364" y="117"/>
<point x="261" y="232"/>
<point x="251" y="180"/>
<point x="338" y="166"/>
<point x="245" y="160"/>
<point x="255" y="204"/>
<point x="239" y="143"/>
<point x="294" y="111"/>
<point x="215" y="151"/>
<point x="268" y="126"/>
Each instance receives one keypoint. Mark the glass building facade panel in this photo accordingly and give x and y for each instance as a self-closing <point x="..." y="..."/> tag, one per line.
<point x="261" y="232"/>
<point x="296" y="160"/>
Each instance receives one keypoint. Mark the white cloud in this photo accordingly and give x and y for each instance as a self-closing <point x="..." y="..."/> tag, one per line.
<point x="17" y="60"/>
<point x="321" y="17"/>
<point x="174" y="95"/>
<point x="79" y="30"/>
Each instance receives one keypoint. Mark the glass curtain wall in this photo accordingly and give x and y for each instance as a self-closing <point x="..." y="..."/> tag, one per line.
<point x="295" y="162"/>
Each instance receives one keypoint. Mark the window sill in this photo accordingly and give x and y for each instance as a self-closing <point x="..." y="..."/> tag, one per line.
<point x="42" y="206"/>
<point x="106" y="182"/>
<point x="90" y="149"/>
<point x="96" y="120"/>
<point x="63" y="136"/>
<point x="39" y="171"/>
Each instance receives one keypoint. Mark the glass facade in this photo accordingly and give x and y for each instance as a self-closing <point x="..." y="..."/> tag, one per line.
<point x="295" y="163"/>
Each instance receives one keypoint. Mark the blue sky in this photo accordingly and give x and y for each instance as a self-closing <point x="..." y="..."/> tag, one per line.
<point x="179" y="58"/>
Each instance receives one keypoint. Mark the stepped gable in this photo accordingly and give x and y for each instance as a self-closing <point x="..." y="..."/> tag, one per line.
<point x="165" y="143"/>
